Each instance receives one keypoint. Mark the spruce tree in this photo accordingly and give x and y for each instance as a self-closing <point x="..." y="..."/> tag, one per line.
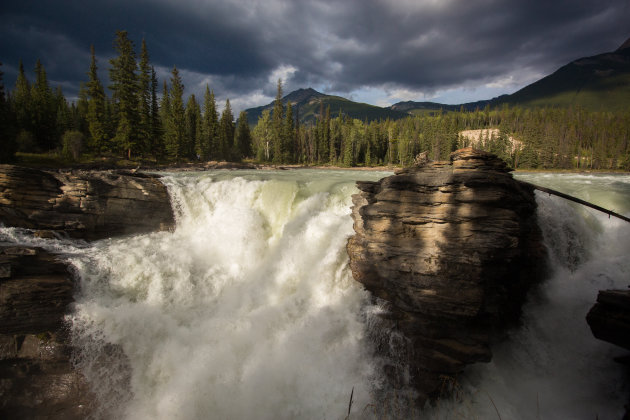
<point x="243" y="138"/>
<point x="226" y="132"/>
<point x="288" y="135"/>
<point x="96" y="116"/>
<point x="22" y="101"/>
<point x="156" y="146"/>
<point x="125" y="93"/>
<point x="207" y="144"/>
<point x="7" y="134"/>
<point x="193" y="122"/>
<point x="144" y="100"/>
<point x="175" y="127"/>
<point x="278" y="126"/>
<point x="44" y="110"/>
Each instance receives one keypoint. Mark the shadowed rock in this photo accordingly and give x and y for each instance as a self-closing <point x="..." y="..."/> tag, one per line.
<point x="37" y="379"/>
<point x="453" y="248"/>
<point x="609" y="318"/>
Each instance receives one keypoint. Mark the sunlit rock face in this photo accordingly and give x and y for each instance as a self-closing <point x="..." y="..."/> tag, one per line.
<point x="83" y="204"/>
<point x="452" y="247"/>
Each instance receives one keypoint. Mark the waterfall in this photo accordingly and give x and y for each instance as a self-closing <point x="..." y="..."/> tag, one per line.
<point x="552" y="367"/>
<point x="248" y="308"/>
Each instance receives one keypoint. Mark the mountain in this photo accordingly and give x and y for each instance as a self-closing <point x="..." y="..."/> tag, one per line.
<point x="309" y="102"/>
<point x="601" y="82"/>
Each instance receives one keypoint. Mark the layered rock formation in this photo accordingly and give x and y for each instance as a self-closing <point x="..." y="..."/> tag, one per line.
<point x="452" y="247"/>
<point x="36" y="377"/>
<point x="84" y="204"/>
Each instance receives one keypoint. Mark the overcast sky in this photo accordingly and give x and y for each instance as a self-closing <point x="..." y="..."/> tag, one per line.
<point x="375" y="51"/>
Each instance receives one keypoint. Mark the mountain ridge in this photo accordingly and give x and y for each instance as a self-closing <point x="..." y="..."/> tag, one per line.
<point x="597" y="83"/>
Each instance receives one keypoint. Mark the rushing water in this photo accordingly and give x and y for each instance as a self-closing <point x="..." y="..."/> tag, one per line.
<point x="248" y="308"/>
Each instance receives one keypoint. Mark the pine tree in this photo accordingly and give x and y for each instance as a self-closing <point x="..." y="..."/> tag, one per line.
<point x="243" y="138"/>
<point x="44" y="110"/>
<point x="7" y="134"/>
<point x="144" y="100"/>
<point x="207" y="144"/>
<point x="175" y="127"/>
<point x="156" y="145"/>
<point x="193" y="127"/>
<point x="226" y="132"/>
<point x="22" y="102"/>
<point x="125" y="93"/>
<point x="288" y="135"/>
<point x="278" y="126"/>
<point x="96" y="116"/>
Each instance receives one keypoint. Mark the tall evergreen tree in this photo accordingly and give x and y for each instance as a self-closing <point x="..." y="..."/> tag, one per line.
<point x="22" y="101"/>
<point x="193" y="127"/>
<point x="207" y="144"/>
<point x="96" y="116"/>
<point x="144" y="100"/>
<point x="175" y="126"/>
<point x="226" y="132"/>
<point x="156" y="146"/>
<point x="278" y="126"/>
<point x="243" y="138"/>
<point x="125" y="93"/>
<point x="44" y="110"/>
<point x="7" y="134"/>
<point x="288" y="135"/>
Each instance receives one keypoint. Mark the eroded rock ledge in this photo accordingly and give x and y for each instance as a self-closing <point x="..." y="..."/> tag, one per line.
<point x="452" y="247"/>
<point x="36" y="377"/>
<point x="83" y="204"/>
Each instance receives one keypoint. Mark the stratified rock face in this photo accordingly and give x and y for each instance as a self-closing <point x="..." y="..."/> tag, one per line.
<point x="453" y="248"/>
<point x="36" y="377"/>
<point x="609" y="319"/>
<point x="90" y="205"/>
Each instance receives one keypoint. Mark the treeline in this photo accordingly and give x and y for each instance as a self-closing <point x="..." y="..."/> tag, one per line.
<point x="136" y="122"/>
<point x="133" y="121"/>
<point x="544" y="138"/>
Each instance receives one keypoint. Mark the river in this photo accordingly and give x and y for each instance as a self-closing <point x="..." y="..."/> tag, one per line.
<point x="248" y="308"/>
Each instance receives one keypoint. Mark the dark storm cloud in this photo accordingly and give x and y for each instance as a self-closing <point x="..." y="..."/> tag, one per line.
<point x="345" y="45"/>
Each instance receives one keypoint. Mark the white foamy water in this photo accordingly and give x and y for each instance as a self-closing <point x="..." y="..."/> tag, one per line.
<point x="248" y="309"/>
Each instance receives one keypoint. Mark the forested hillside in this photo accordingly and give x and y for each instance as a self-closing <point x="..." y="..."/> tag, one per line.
<point x="135" y="119"/>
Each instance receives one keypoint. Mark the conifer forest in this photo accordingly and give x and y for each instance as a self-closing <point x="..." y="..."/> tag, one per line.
<point x="136" y="117"/>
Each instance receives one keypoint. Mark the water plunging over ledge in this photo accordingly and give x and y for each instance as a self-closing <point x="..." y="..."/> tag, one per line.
<point x="248" y="309"/>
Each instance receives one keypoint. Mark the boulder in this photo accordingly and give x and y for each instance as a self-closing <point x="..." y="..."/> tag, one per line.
<point x="84" y="204"/>
<point x="609" y="318"/>
<point x="451" y="248"/>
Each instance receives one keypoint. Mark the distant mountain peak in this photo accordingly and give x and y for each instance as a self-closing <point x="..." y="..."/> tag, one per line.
<point x="624" y="46"/>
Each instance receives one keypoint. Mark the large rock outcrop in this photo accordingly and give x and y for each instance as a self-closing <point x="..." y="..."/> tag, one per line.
<point x="84" y="204"/>
<point x="452" y="247"/>
<point x="37" y="380"/>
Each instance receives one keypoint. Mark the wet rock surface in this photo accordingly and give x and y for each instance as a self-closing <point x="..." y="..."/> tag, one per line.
<point x="609" y="318"/>
<point x="84" y="204"/>
<point x="37" y="380"/>
<point x="452" y="248"/>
